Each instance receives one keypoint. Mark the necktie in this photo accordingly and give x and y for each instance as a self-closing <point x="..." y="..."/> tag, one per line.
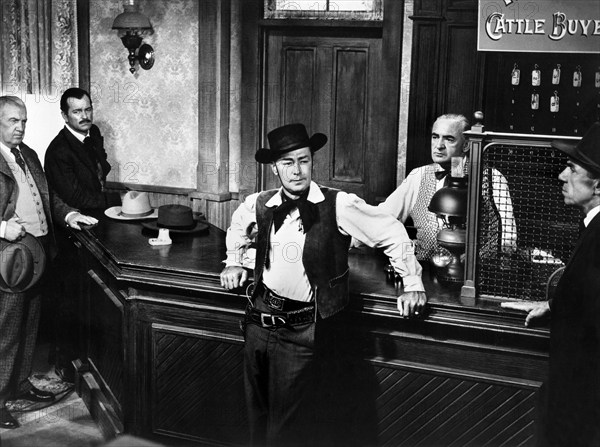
<point x="308" y="211"/>
<point x="89" y="147"/>
<point x="91" y="153"/>
<point x="581" y="227"/>
<point x="19" y="159"/>
<point x="441" y="174"/>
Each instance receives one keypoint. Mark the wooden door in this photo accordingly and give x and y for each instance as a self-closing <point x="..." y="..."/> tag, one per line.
<point x="338" y="81"/>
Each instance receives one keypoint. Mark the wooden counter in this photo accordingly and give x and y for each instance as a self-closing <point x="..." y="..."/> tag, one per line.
<point x="161" y="352"/>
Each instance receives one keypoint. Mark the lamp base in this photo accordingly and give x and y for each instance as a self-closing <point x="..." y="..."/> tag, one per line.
<point x="452" y="274"/>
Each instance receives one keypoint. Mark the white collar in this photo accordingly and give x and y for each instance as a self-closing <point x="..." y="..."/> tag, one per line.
<point x="314" y="195"/>
<point x="77" y="134"/>
<point x="590" y="215"/>
<point x="6" y="150"/>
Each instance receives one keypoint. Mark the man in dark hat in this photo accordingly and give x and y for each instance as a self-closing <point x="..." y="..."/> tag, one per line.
<point x="27" y="205"/>
<point x="570" y="409"/>
<point x="302" y="233"/>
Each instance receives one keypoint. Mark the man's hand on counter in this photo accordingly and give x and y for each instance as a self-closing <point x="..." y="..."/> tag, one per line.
<point x="74" y="220"/>
<point x="412" y="304"/>
<point x="534" y="310"/>
<point x="233" y="277"/>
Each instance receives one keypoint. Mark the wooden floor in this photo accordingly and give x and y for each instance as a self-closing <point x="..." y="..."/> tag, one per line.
<point x="65" y="423"/>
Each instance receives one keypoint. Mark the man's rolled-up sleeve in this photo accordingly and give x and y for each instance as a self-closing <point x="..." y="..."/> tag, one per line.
<point x="375" y="227"/>
<point x="240" y="235"/>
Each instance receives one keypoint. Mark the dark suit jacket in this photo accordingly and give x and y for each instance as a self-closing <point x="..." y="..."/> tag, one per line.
<point x="54" y="207"/>
<point x="71" y="172"/>
<point x="573" y="387"/>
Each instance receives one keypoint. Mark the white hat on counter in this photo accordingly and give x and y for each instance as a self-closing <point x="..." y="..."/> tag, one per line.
<point x="135" y="206"/>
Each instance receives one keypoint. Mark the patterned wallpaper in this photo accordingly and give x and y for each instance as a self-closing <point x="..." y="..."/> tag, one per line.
<point x="149" y="120"/>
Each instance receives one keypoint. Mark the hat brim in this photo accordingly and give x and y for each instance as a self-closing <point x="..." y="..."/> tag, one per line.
<point x="39" y="263"/>
<point x="572" y="151"/>
<point x="201" y="226"/>
<point x="115" y="213"/>
<point x="264" y="155"/>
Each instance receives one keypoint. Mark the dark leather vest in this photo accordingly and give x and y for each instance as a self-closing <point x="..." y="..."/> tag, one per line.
<point x="324" y="257"/>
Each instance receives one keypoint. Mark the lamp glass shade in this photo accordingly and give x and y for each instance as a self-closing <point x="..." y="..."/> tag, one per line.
<point x="131" y="20"/>
<point x="452" y="200"/>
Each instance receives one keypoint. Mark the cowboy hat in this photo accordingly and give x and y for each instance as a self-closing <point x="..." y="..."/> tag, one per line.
<point x="586" y="152"/>
<point x="135" y="206"/>
<point x="288" y="138"/>
<point x="177" y="219"/>
<point x="22" y="263"/>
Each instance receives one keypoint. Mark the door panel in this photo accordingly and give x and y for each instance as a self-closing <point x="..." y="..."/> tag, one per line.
<point x="330" y="83"/>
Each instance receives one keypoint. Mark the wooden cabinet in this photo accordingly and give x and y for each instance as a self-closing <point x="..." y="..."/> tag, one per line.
<point x="163" y="353"/>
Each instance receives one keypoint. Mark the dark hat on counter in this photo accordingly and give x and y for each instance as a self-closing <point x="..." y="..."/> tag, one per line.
<point x="286" y="139"/>
<point x="586" y="152"/>
<point x="178" y="219"/>
<point x="22" y="264"/>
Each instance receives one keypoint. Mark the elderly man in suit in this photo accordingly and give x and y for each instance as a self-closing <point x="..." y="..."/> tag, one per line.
<point x="570" y="410"/>
<point x="27" y="205"/>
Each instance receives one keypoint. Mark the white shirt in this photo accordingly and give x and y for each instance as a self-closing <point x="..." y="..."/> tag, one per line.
<point x="590" y="215"/>
<point x="355" y="218"/>
<point x="77" y="134"/>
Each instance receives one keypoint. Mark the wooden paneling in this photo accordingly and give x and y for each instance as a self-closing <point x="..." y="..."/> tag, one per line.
<point x="424" y="409"/>
<point x="423" y="106"/>
<point x="297" y="85"/>
<point x="211" y="366"/>
<point x="350" y="105"/>
<point x="460" y="67"/>
<point x="105" y="353"/>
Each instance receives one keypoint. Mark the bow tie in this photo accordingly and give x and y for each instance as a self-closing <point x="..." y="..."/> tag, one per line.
<point x="441" y="174"/>
<point x="308" y="211"/>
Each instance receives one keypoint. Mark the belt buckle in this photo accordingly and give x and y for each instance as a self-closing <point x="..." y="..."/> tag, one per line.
<point x="275" y="302"/>
<point x="270" y="320"/>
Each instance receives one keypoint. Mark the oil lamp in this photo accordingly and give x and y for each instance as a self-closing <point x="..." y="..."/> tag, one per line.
<point x="450" y="205"/>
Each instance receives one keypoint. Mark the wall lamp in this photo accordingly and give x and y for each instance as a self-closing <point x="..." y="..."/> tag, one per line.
<point x="132" y="25"/>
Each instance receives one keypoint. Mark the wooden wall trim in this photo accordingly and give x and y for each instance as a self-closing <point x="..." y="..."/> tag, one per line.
<point x="83" y="43"/>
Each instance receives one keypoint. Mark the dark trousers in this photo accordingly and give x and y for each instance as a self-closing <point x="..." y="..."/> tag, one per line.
<point x="279" y="373"/>
<point x="19" y="323"/>
<point x="63" y="289"/>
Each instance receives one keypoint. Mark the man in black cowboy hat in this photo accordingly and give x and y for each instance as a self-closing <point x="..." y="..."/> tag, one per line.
<point x="27" y="205"/>
<point x="302" y="233"/>
<point x="570" y="412"/>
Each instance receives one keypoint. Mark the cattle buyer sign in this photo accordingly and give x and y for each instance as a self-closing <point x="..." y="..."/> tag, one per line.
<point x="541" y="26"/>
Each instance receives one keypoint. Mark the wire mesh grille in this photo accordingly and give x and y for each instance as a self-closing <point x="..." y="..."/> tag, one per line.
<point x="526" y="232"/>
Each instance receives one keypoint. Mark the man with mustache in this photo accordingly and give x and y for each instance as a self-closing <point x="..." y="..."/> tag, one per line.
<point x="27" y="207"/>
<point x="75" y="162"/>
<point x="302" y="233"/>
<point x="76" y="168"/>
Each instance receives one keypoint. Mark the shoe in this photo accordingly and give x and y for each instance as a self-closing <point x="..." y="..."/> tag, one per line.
<point x="65" y="374"/>
<point x="7" y="420"/>
<point x="36" y="395"/>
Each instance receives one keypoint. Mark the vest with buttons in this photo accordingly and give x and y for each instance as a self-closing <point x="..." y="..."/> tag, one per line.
<point x="324" y="256"/>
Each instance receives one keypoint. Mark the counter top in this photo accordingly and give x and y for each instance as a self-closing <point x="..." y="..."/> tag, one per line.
<point x="193" y="262"/>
